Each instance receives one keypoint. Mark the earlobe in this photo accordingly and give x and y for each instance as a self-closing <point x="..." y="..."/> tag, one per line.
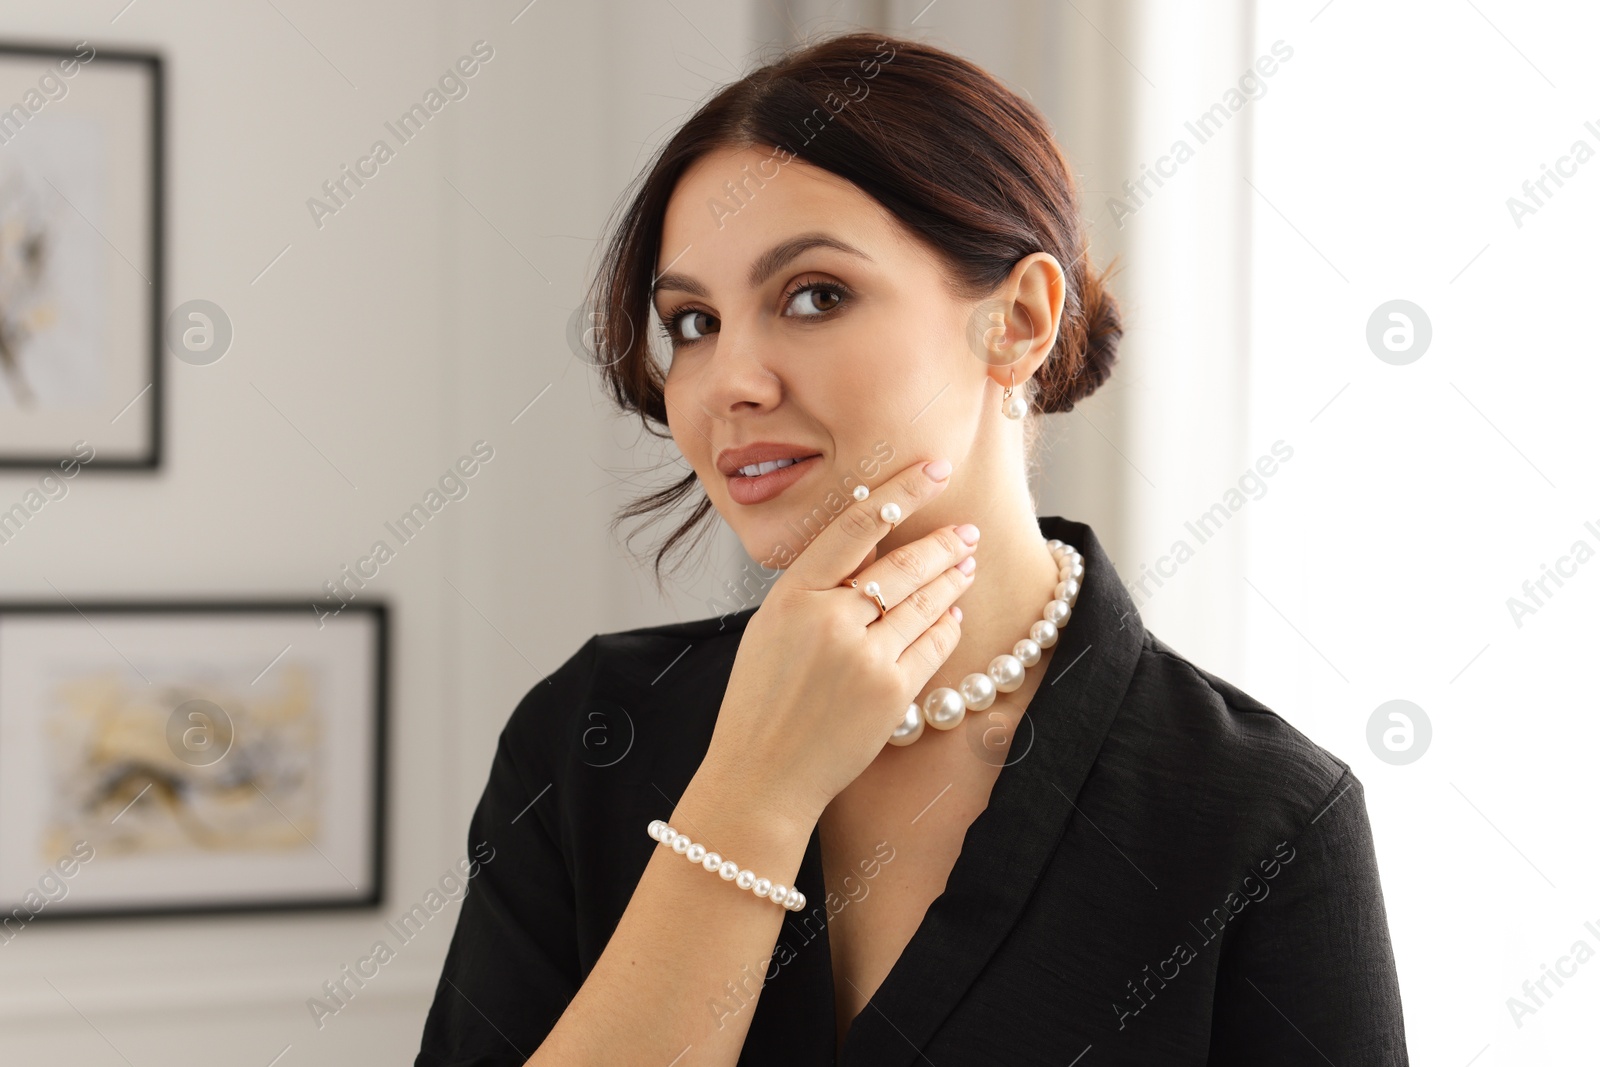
<point x="1012" y="405"/>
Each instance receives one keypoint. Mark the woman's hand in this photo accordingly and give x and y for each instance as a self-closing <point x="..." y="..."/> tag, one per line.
<point x="820" y="681"/>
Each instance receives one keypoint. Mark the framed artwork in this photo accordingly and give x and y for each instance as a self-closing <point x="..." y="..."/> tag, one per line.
<point x="80" y="256"/>
<point x="183" y="758"/>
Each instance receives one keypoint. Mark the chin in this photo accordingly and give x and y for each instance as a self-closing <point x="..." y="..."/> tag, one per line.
<point x="774" y="532"/>
<point x="774" y="540"/>
<point x="768" y="541"/>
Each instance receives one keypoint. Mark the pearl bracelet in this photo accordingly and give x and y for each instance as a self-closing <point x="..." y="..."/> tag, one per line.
<point x="744" y="878"/>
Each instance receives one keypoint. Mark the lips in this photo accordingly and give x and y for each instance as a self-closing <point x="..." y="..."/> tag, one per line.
<point x="731" y="460"/>
<point x="745" y="489"/>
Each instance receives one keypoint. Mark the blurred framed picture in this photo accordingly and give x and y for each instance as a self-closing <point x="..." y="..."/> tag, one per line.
<point x="80" y="255"/>
<point x="172" y="758"/>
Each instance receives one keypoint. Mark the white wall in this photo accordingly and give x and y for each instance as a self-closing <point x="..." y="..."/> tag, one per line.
<point x="1422" y="496"/>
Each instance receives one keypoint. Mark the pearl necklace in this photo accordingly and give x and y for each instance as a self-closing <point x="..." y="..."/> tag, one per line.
<point x="945" y="708"/>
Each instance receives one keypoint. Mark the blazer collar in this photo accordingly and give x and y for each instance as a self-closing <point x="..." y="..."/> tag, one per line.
<point x="1006" y="847"/>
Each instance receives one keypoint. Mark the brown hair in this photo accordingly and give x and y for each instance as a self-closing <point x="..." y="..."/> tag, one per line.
<point x="964" y="163"/>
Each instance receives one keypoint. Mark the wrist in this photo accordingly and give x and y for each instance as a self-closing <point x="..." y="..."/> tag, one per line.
<point x="728" y="795"/>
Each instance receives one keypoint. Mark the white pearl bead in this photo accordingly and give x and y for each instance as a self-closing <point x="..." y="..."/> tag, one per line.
<point x="655" y="828"/>
<point x="696" y="853"/>
<point x="799" y="899"/>
<point x="777" y="893"/>
<point x="944" y="708"/>
<point x="681" y="844"/>
<point x="666" y="834"/>
<point x="729" y="870"/>
<point x="890" y="512"/>
<point x="1007" y="672"/>
<point x="1016" y="407"/>
<point x="1027" y="650"/>
<point x="977" y="691"/>
<point x="711" y="861"/>
<point x="860" y="492"/>
<point x="872" y="588"/>
<point x="745" y="878"/>
<point x="761" y="887"/>
<point x="910" y="727"/>
<point x="1044" y="632"/>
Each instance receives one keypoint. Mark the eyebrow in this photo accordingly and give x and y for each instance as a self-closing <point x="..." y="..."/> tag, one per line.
<point x="766" y="265"/>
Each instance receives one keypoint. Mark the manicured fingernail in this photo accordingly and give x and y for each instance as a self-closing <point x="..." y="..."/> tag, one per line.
<point x="968" y="565"/>
<point x="937" y="470"/>
<point x="968" y="533"/>
<point x="955" y="609"/>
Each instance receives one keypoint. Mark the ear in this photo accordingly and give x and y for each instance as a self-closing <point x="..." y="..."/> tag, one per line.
<point x="1022" y="318"/>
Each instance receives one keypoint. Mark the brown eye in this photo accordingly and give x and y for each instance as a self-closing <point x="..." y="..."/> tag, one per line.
<point x="814" y="299"/>
<point x="694" y="325"/>
<point x="700" y="324"/>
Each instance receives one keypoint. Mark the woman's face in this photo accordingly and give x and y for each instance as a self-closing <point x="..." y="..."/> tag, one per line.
<point x="783" y="335"/>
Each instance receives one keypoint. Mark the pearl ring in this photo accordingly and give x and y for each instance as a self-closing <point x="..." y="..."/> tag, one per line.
<point x="870" y="589"/>
<point x="889" y="513"/>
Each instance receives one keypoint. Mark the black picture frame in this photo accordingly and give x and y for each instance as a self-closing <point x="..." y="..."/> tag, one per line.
<point x="144" y="451"/>
<point x="93" y="616"/>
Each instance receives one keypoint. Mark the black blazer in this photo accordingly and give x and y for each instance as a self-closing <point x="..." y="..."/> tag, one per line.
<point x="1166" y="873"/>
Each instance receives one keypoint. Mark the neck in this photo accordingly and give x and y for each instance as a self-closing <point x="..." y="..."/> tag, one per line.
<point x="1016" y="574"/>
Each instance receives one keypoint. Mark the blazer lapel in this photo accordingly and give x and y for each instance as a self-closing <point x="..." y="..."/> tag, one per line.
<point x="1009" y="843"/>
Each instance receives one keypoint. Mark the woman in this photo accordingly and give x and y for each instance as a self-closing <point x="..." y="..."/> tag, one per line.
<point x="930" y="815"/>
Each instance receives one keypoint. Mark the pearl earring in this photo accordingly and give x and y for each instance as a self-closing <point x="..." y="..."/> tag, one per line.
<point x="1014" y="407"/>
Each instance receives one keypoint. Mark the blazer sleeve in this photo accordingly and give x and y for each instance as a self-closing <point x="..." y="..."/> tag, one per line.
<point x="512" y="966"/>
<point x="1309" y="977"/>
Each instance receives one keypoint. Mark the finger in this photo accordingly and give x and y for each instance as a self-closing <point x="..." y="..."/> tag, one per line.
<point x="931" y="648"/>
<point x="914" y="565"/>
<point x="839" y="549"/>
<point x="872" y="557"/>
<point x="920" y="610"/>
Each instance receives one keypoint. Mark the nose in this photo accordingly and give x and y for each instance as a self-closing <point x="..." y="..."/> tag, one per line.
<point x="735" y="379"/>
